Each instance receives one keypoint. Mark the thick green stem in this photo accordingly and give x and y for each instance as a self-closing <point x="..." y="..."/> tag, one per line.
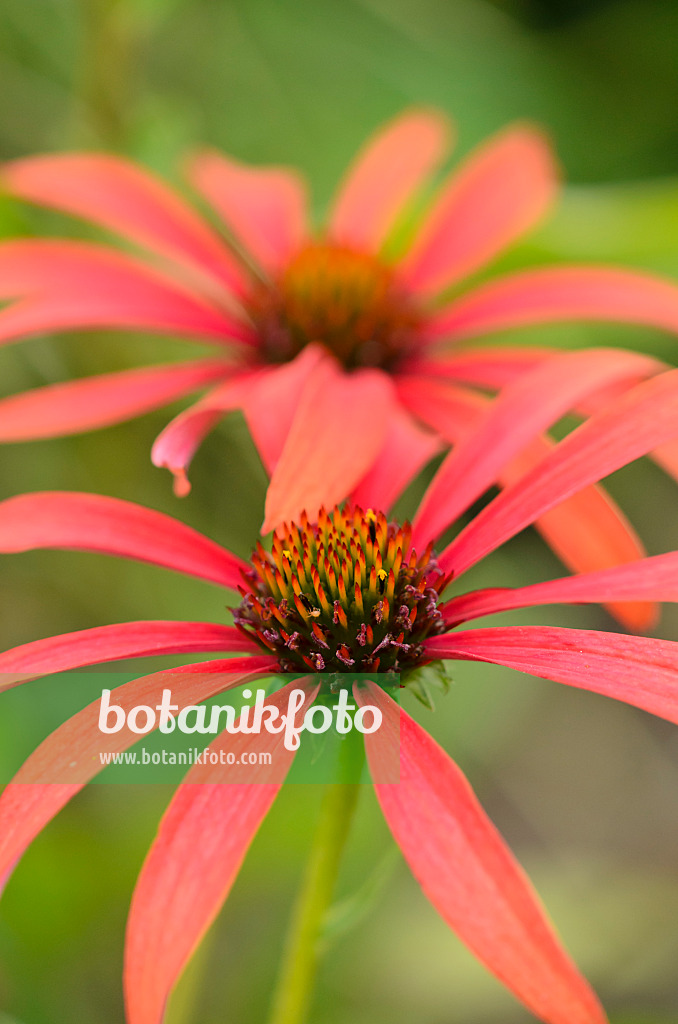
<point x="302" y="949"/>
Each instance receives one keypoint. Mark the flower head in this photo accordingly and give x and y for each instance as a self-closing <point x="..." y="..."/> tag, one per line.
<point x="344" y="592"/>
<point x="349" y="301"/>
<point x="303" y="320"/>
<point x="303" y="582"/>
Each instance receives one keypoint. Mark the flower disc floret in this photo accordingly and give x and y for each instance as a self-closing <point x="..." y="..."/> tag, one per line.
<point x="347" y="593"/>
<point x="348" y="300"/>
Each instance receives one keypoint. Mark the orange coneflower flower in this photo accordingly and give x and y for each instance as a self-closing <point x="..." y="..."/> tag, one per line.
<point x="337" y="335"/>
<point x="348" y="591"/>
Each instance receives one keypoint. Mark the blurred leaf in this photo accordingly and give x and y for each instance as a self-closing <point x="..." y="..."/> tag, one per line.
<point x="424" y="681"/>
<point x="635" y="223"/>
<point x="346" y="915"/>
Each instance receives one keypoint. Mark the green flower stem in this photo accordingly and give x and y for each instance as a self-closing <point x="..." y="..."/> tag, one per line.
<point x="301" y="955"/>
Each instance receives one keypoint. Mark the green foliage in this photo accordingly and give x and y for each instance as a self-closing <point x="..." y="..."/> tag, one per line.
<point x="585" y="792"/>
<point x="425" y="681"/>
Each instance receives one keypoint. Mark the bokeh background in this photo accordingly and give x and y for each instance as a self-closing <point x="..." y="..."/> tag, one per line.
<point x="585" y="791"/>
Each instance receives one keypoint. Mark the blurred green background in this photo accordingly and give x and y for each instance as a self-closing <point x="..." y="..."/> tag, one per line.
<point x="585" y="791"/>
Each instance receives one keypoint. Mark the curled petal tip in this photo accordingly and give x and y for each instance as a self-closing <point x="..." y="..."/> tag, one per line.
<point x="181" y="484"/>
<point x="636" y="616"/>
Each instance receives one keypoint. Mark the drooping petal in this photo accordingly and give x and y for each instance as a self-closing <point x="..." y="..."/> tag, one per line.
<point x="468" y="873"/>
<point x="587" y="531"/>
<point x="406" y="450"/>
<point x="502" y="190"/>
<point x="644" y="417"/>
<point x="648" y="579"/>
<point x="67" y="285"/>
<point x="268" y="397"/>
<point x="270" y="404"/>
<point x="492" y="367"/>
<point x="94" y="402"/>
<point x="178" y="442"/>
<point x="553" y="294"/>
<point x="449" y="409"/>
<point x="92" y="522"/>
<point x="339" y="428"/>
<point x="264" y="206"/>
<point x="387" y="172"/>
<point x="533" y="403"/>
<point x="636" y="669"/>
<point x="70" y="757"/>
<point x="666" y="456"/>
<point x="113" y="643"/>
<point x="183" y="883"/>
<point x="125" y="199"/>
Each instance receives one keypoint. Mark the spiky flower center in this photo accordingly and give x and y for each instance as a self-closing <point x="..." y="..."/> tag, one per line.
<point x="345" y="594"/>
<point x="349" y="301"/>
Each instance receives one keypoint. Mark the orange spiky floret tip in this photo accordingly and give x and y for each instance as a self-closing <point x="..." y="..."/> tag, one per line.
<point x="346" y="593"/>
